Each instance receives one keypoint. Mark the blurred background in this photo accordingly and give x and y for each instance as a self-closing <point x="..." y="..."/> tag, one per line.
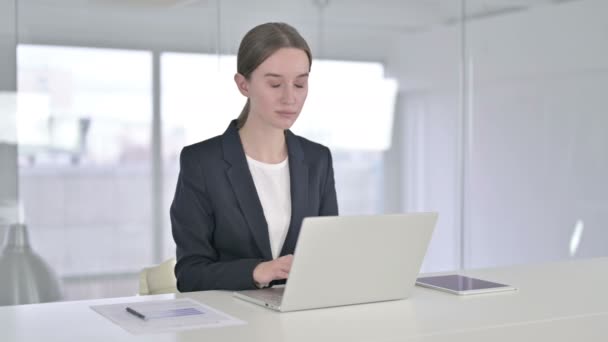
<point x="492" y="112"/>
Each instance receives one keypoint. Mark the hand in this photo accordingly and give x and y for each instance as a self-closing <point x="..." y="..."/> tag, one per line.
<point x="267" y="271"/>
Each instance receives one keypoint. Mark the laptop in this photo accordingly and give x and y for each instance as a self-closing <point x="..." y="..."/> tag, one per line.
<point x="344" y="260"/>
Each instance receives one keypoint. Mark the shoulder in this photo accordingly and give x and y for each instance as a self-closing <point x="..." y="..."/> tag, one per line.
<point x="313" y="151"/>
<point x="205" y="150"/>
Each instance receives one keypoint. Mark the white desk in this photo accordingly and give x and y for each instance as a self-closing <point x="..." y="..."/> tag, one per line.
<point x="556" y="302"/>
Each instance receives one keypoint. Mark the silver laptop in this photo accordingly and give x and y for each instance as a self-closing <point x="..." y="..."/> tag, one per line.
<point x="343" y="260"/>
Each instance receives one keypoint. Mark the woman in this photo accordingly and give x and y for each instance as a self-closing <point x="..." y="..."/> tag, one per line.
<point x="241" y="196"/>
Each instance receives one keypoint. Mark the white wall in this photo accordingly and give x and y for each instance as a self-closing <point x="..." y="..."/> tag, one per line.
<point x="427" y="66"/>
<point x="537" y="120"/>
<point x="432" y="169"/>
<point x="539" y="150"/>
<point x="539" y="165"/>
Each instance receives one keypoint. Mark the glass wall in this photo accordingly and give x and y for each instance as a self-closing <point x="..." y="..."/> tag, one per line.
<point x="9" y="211"/>
<point x="536" y="135"/>
<point x="491" y="113"/>
<point x="84" y="158"/>
<point x="8" y="115"/>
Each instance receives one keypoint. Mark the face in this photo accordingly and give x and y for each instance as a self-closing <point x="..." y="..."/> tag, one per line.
<point x="277" y="88"/>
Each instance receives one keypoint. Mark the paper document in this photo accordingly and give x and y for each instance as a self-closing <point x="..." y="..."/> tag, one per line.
<point x="165" y="315"/>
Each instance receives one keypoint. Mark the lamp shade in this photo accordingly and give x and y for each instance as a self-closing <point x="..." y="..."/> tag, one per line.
<point x="24" y="276"/>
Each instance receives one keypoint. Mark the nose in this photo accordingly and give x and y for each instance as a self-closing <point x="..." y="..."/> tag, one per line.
<point x="288" y="95"/>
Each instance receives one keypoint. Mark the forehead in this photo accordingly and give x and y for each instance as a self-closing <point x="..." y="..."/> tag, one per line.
<point x="285" y="62"/>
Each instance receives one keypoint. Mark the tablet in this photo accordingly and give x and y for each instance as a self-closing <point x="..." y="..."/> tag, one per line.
<point x="462" y="285"/>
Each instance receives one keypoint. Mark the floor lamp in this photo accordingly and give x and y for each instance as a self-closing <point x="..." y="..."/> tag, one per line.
<point x="25" y="277"/>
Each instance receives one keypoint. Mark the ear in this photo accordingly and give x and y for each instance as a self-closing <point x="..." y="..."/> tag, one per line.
<point x="242" y="83"/>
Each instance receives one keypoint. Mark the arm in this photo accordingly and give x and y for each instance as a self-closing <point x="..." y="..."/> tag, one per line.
<point x="329" y="202"/>
<point x="193" y="224"/>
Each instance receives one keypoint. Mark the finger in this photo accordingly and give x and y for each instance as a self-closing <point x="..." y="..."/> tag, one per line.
<point x="283" y="263"/>
<point x="284" y="266"/>
<point x="289" y="259"/>
<point x="286" y="260"/>
<point x="286" y="257"/>
<point x="282" y="275"/>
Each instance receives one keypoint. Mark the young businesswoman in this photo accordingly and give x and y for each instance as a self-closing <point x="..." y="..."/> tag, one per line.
<point x="241" y="196"/>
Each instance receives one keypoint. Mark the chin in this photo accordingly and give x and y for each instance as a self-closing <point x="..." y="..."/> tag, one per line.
<point x="285" y="122"/>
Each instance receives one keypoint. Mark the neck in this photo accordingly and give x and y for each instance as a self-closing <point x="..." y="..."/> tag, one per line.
<point x="263" y="142"/>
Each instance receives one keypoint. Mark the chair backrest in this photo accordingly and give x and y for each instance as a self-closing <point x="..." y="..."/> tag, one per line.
<point x="158" y="279"/>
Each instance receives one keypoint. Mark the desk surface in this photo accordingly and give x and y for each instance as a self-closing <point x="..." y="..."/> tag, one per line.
<point x="555" y="302"/>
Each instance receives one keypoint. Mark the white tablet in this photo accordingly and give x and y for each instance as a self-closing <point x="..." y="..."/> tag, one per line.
<point x="462" y="285"/>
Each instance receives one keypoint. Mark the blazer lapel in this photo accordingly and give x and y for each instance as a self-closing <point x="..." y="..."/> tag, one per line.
<point x="244" y="189"/>
<point x="298" y="174"/>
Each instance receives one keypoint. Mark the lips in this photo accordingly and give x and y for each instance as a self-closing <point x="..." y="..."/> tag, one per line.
<point x="284" y="112"/>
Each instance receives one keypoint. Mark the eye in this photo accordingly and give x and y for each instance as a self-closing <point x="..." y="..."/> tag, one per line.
<point x="275" y="85"/>
<point x="300" y="85"/>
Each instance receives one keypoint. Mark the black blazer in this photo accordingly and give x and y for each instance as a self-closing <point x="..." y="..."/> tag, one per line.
<point x="217" y="219"/>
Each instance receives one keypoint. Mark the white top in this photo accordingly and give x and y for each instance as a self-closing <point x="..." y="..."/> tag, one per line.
<point x="273" y="188"/>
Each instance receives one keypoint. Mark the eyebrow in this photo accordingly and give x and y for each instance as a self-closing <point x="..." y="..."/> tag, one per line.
<point x="277" y="75"/>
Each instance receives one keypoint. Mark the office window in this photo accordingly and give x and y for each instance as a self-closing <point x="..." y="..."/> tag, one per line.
<point x="84" y="123"/>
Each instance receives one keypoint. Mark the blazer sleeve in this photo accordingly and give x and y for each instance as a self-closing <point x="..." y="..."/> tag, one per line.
<point x="192" y="223"/>
<point x="329" y="202"/>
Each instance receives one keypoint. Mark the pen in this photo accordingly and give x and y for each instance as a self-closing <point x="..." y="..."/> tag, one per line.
<point x="135" y="313"/>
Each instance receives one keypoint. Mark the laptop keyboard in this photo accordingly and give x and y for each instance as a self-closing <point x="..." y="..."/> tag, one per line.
<point x="273" y="295"/>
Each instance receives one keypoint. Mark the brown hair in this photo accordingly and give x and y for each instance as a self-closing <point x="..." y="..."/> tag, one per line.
<point x="260" y="43"/>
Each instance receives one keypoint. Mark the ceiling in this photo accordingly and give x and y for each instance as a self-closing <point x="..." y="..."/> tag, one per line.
<point x="387" y="15"/>
<point x="338" y="29"/>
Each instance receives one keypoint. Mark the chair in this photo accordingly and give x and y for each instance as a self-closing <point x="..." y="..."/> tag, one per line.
<point x="158" y="279"/>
